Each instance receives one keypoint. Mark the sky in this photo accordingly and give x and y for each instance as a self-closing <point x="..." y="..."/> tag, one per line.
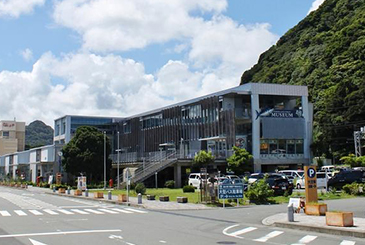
<point x="122" y="57"/>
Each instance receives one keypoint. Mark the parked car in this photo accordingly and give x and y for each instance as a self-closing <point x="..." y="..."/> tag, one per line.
<point x="277" y="181"/>
<point x="321" y="179"/>
<point x="345" y="177"/>
<point x="195" y="179"/>
<point x="298" y="176"/>
<point x="253" y="177"/>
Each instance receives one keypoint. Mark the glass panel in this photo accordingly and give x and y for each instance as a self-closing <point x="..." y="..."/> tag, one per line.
<point x="299" y="147"/>
<point x="291" y="147"/>
<point x="273" y="146"/>
<point x="282" y="147"/>
<point x="264" y="147"/>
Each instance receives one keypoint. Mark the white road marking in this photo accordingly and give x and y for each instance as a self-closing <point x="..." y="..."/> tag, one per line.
<point x="307" y="239"/>
<point x="79" y="211"/>
<point x="59" y="233"/>
<point x="128" y="243"/>
<point x="243" y="231"/>
<point x="5" y="213"/>
<point x="163" y="241"/>
<point x="269" y="236"/>
<point x="35" y="212"/>
<point x="64" y="211"/>
<point x="107" y="211"/>
<point x="116" y="237"/>
<point x="122" y="210"/>
<point x="136" y="210"/>
<point x="228" y="228"/>
<point x="93" y="211"/>
<point x="34" y="242"/>
<point x="20" y="213"/>
<point x="346" y="242"/>
<point x="50" y="212"/>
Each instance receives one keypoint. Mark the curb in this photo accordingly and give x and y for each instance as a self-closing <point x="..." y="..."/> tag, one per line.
<point x="320" y="229"/>
<point x="96" y="199"/>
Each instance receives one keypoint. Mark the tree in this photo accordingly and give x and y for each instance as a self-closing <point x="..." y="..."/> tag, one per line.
<point x="85" y="153"/>
<point x="203" y="158"/>
<point x="240" y="162"/>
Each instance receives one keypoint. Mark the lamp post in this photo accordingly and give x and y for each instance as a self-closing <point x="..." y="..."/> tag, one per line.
<point x="104" y="160"/>
<point x="118" y="150"/>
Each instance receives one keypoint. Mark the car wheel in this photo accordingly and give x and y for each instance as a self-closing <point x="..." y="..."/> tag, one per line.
<point x="298" y="186"/>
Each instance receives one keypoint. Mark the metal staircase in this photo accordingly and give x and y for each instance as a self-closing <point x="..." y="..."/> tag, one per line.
<point x="154" y="165"/>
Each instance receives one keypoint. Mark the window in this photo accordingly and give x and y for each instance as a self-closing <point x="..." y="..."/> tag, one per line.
<point x="264" y="147"/>
<point x="57" y="130"/>
<point x="6" y="134"/>
<point x="291" y="146"/>
<point x="273" y="146"/>
<point x="299" y="146"/>
<point x="63" y="129"/>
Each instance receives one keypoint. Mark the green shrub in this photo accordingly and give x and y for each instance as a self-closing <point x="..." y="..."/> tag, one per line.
<point x="140" y="188"/>
<point x="188" y="188"/>
<point x="170" y="184"/>
<point x="259" y="192"/>
<point x="354" y="189"/>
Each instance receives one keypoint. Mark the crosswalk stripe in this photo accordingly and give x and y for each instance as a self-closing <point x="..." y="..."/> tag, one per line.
<point x="64" y="211"/>
<point x="307" y="239"/>
<point x="93" y="211"/>
<point x="243" y="231"/>
<point x="35" y="212"/>
<point x="20" y="213"/>
<point x="5" y="213"/>
<point x="269" y="236"/>
<point x="107" y="211"/>
<point x="136" y="210"/>
<point x="79" y="211"/>
<point x="122" y="211"/>
<point x="50" y="212"/>
<point x="346" y="242"/>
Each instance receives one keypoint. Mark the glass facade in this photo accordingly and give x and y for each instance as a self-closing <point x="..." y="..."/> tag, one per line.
<point x="274" y="146"/>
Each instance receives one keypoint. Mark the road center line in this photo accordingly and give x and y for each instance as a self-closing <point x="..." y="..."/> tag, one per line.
<point x="59" y="233"/>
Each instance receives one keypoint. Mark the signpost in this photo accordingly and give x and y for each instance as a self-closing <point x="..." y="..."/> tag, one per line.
<point x="81" y="183"/>
<point x="310" y="184"/>
<point x="230" y="191"/>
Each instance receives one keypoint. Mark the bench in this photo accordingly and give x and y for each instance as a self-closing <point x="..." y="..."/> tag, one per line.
<point x="164" y="198"/>
<point x="182" y="199"/>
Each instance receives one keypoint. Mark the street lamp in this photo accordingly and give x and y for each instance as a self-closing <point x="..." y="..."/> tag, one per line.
<point x="104" y="160"/>
<point x="118" y="150"/>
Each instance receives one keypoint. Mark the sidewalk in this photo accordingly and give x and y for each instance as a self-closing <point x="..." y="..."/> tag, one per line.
<point x="316" y="224"/>
<point x="133" y="201"/>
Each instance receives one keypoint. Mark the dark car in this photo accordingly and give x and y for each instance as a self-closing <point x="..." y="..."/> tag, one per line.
<point x="345" y="177"/>
<point x="277" y="182"/>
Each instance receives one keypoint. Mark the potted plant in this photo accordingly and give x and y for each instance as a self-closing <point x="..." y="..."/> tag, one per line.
<point x="315" y="208"/>
<point x="339" y="218"/>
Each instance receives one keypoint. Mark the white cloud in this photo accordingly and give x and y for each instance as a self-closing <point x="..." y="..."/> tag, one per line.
<point x="107" y="25"/>
<point x="14" y="8"/>
<point x="315" y="5"/>
<point x="27" y="54"/>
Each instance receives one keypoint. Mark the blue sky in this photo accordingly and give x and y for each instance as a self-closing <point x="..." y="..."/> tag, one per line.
<point x="120" y="57"/>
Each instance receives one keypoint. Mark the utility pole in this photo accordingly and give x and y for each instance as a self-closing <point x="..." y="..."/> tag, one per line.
<point x="358" y="135"/>
<point x="104" y="160"/>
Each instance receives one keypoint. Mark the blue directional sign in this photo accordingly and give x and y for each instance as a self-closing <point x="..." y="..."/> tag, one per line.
<point x="226" y="191"/>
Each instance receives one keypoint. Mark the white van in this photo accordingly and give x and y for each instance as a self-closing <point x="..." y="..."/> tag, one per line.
<point x="322" y="180"/>
<point x="329" y="168"/>
<point x="298" y="176"/>
<point x="195" y="179"/>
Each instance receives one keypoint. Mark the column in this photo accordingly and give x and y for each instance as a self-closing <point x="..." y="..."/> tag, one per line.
<point x="255" y="130"/>
<point x="177" y="175"/>
<point x="307" y="127"/>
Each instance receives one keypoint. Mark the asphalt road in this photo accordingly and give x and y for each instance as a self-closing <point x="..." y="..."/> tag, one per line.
<point x="36" y="219"/>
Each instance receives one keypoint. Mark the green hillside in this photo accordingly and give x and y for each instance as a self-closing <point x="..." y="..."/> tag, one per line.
<point x="37" y="134"/>
<point x="326" y="52"/>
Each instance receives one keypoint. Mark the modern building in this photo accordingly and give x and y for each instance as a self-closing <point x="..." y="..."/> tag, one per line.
<point x="12" y="137"/>
<point x="273" y="122"/>
<point x="65" y="127"/>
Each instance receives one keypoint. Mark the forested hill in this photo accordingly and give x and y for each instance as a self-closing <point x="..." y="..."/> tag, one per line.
<point x="326" y="52"/>
<point x="37" y="133"/>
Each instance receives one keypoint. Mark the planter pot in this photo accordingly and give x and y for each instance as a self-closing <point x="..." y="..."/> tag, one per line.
<point x="343" y="219"/>
<point x="151" y="197"/>
<point x="182" y="199"/>
<point x="78" y="192"/>
<point x="62" y="190"/>
<point x="316" y="209"/>
<point x="122" y="198"/>
<point x="98" y="195"/>
<point x="164" y="198"/>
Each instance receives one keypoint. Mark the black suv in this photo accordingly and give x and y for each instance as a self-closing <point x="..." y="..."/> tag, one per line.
<point x="277" y="182"/>
<point x="345" y="177"/>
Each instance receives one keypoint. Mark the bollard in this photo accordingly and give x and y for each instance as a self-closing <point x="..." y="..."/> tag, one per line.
<point x="290" y="213"/>
<point x="109" y="195"/>
<point x="86" y="192"/>
<point x="54" y="188"/>
<point x="139" y="198"/>
<point x="68" y="190"/>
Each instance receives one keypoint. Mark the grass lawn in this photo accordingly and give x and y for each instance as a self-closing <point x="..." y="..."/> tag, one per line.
<point x="321" y="196"/>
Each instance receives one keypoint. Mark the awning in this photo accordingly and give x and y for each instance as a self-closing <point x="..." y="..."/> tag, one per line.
<point x="215" y="138"/>
<point x="167" y="144"/>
